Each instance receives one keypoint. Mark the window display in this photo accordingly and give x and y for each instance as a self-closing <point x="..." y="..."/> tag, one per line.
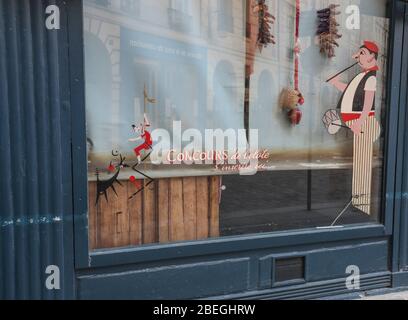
<point x="207" y="119"/>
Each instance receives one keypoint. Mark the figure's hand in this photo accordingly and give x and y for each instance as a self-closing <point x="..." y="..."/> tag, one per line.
<point x="356" y="128"/>
<point x="333" y="81"/>
<point x="338" y="84"/>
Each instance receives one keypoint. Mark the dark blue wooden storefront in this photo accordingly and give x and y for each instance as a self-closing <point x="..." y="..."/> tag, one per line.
<point x="43" y="192"/>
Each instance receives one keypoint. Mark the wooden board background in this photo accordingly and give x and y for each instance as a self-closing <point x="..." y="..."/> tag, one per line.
<point x="167" y="210"/>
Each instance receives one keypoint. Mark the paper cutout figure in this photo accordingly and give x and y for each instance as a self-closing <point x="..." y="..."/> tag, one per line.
<point x="147" y="99"/>
<point x="102" y="186"/>
<point x="145" y="146"/>
<point x="357" y="110"/>
<point x="144" y="135"/>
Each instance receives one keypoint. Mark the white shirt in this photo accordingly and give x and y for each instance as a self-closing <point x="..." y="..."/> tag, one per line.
<point x="348" y="98"/>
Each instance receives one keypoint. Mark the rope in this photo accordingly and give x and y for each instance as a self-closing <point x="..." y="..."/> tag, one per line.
<point x="297" y="45"/>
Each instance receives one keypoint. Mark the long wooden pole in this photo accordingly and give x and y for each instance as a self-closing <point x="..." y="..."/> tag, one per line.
<point x="335" y="76"/>
<point x="252" y="29"/>
<point x="248" y="66"/>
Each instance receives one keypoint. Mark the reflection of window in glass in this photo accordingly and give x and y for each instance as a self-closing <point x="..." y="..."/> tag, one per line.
<point x="225" y="18"/>
<point x="289" y="28"/>
<point x="225" y="95"/>
<point x="271" y="51"/>
<point x="180" y="15"/>
<point x="130" y="7"/>
<point x="181" y="5"/>
<point x="244" y="17"/>
<point x="104" y="3"/>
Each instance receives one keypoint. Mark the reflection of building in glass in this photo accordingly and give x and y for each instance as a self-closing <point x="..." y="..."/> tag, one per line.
<point x="191" y="56"/>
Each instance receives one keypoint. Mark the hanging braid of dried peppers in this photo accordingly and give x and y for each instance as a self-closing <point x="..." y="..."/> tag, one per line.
<point x="266" y="20"/>
<point x="292" y="98"/>
<point x="328" y="31"/>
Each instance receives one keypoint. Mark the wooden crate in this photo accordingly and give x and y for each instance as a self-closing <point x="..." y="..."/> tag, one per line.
<point x="168" y="210"/>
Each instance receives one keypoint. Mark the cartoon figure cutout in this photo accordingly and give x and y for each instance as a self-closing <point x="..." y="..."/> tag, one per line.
<point x="142" y="134"/>
<point x="145" y="136"/>
<point x="141" y="129"/>
<point x="357" y="111"/>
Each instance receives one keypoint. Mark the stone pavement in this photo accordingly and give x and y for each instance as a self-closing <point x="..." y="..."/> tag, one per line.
<point x="377" y="294"/>
<point x="390" y="296"/>
<point x="401" y="295"/>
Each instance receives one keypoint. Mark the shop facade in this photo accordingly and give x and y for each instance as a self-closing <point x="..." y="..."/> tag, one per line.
<point x="151" y="150"/>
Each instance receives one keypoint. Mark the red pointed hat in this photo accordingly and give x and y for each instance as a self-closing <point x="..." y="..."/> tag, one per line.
<point x="372" y="46"/>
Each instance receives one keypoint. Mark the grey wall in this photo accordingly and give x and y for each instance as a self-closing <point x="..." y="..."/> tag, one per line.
<point x="35" y="171"/>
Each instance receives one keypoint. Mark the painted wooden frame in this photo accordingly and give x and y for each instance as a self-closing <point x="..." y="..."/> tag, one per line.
<point x="104" y="258"/>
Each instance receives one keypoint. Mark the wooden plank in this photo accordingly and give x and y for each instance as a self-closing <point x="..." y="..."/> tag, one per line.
<point x="92" y="210"/>
<point x="190" y="208"/>
<point x="179" y="209"/>
<point x="176" y="210"/>
<point x="214" y="206"/>
<point x="163" y="210"/>
<point x="202" y="207"/>
<point x="135" y="208"/>
<point x="149" y="213"/>
<point x="107" y="220"/>
<point x="122" y="234"/>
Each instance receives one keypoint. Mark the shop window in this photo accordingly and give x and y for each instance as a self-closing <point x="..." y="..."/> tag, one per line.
<point x="225" y="16"/>
<point x="190" y="137"/>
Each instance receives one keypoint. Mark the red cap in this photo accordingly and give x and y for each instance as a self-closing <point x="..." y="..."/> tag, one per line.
<point x="372" y="46"/>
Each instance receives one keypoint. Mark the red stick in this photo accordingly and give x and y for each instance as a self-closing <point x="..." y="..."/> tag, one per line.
<point x="296" y="45"/>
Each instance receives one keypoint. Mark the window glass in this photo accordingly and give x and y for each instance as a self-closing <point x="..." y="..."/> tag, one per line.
<point x="215" y="118"/>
